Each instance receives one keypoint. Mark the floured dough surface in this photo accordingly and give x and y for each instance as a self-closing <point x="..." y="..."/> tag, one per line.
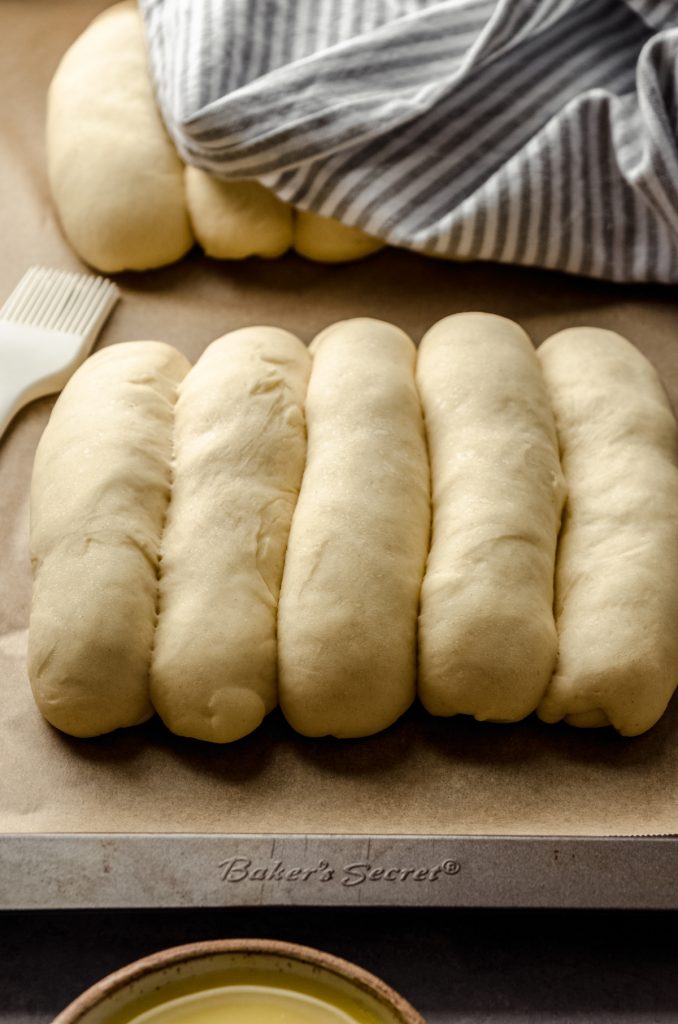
<point x="329" y="241"/>
<point x="101" y="484"/>
<point x="487" y="637"/>
<point x="355" y="560"/>
<point x="235" y="219"/>
<point x="239" y="451"/>
<point x="616" y="573"/>
<point x="115" y="176"/>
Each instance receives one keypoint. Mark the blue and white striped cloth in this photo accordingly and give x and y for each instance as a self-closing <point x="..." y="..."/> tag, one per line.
<point x="540" y="132"/>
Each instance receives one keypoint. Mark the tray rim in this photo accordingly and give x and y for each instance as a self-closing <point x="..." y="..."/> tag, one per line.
<point x="107" y="870"/>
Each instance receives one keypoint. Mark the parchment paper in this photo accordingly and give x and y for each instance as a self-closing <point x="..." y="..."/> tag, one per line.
<point x="424" y="775"/>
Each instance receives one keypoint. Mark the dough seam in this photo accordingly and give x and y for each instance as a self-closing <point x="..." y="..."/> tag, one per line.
<point x="158" y="571"/>
<point x="417" y="648"/>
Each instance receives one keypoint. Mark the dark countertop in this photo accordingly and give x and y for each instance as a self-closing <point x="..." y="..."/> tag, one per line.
<point x="470" y="966"/>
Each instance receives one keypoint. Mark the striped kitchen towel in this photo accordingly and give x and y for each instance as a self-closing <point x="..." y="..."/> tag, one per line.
<point x="541" y="132"/>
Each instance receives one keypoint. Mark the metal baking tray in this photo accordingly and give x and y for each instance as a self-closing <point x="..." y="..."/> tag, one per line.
<point x="255" y="861"/>
<point x="74" y="871"/>
<point x="399" y="820"/>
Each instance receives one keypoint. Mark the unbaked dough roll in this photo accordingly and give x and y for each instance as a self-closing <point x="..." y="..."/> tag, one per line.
<point x="115" y="175"/>
<point x="236" y="219"/>
<point x="329" y="241"/>
<point x="101" y="484"/>
<point x="617" y="567"/>
<point x="355" y="560"/>
<point x="240" y="446"/>
<point x="487" y="637"/>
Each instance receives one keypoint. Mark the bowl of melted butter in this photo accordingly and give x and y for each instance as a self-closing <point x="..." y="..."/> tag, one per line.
<point x="240" y="981"/>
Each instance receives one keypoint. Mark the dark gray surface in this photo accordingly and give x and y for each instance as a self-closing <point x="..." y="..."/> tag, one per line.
<point x="471" y="966"/>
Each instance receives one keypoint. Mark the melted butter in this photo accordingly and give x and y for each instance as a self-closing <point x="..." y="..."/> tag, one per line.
<point x="249" y="996"/>
<point x="246" y="1004"/>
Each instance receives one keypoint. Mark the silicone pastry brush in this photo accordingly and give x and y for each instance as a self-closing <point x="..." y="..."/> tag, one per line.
<point x="48" y="327"/>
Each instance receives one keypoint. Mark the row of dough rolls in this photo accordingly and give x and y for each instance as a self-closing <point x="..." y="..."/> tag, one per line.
<point x="124" y="197"/>
<point x="200" y="549"/>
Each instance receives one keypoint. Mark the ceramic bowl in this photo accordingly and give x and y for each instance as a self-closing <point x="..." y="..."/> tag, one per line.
<point x="183" y="971"/>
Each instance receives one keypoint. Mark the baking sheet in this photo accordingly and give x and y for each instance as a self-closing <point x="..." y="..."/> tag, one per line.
<point x="67" y="871"/>
<point x="424" y="776"/>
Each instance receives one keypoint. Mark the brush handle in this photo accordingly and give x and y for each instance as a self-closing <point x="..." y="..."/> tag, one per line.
<point x="8" y="407"/>
<point x="15" y="394"/>
<point x="34" y="362"/>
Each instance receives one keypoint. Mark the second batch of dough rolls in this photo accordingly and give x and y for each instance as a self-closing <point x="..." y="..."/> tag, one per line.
<point x="124" y="197"/>
<point x="336" y="527"/>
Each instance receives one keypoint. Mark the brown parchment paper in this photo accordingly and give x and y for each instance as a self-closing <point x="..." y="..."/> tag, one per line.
<point x="424" y="775"/>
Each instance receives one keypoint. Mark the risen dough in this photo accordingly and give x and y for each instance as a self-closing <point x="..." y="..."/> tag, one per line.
<point x="487" y="638"/>
<point x="355" y="561"/>
<point x="101" y="484"/>
<point x="616" y="574"/>
<point x="240" y="445"/>
<point x="329" y="241"/>
<point x="116" y="178"/>
<point x="235" y="219"/>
